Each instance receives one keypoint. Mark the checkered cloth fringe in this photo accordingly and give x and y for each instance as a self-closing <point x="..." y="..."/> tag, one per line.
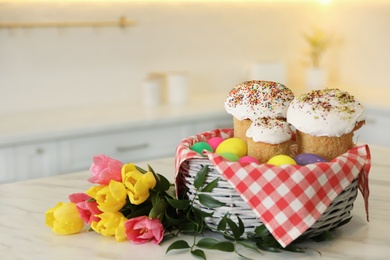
<point x="287" y="199"/>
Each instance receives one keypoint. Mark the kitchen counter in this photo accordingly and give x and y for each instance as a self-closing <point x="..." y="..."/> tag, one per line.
<point x="23" y="234"/>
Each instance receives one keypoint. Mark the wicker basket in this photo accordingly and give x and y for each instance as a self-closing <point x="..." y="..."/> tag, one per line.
<point x="335" y="215"/>
<point x="337" y="212"/>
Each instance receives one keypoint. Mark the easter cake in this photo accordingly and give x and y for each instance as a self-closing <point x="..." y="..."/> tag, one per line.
<point x="256" y="98"/>
<point x="267" y="137"/>
<point x="325" y="121"/>
<point x="265" y="177"/>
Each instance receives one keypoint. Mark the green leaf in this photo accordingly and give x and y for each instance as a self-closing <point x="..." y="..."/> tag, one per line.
<point x="158" y="208"/>
<point x="209" y="201"/>
<point x="171" y="192"/>
<point x="158" y="180"/>
<point x="200" y="177"/>
<point x="207" y="243"/>
<point x="241" y="226"/>
<point x="228" y="236"/>
<point x="178" y="204"/>
<point x="248" y="244"/>
<point x="179" y="244"/>
<point x="237" y="232"/>
<point x="139" y="212"/>
<point x="164" y="183"/>
<point x="295" y="249"/>
<point x="202" y="213"/>
<point x="222" y="225"/>
<point x="188" y="226"/>
<point x="151" y="169"/>
<point x="242" y="256"/>
<point x="174" y="220"/>
<point x="140" y="169"/>
<point x="199" y="253"/>
<point x="262" y="231"/>
<point x="225" y="246"/>
<point x="267" y="248"/>
<point x="209" y="187"/>
<point x="270" y="240"/>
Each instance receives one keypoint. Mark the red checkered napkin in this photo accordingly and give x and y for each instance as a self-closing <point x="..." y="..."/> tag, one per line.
<point x="288" y="199"/>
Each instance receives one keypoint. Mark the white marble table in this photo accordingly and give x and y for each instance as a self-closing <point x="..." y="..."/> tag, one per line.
<point x="23" y="234"/>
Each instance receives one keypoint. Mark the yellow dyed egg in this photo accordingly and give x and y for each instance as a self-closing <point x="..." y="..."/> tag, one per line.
<point x="281" y="159"/>
<point x="232" y="145"/>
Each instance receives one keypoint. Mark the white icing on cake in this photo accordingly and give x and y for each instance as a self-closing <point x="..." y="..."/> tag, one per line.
<point x="327" y="112"/>
<point x="257" y="98"/>
<point x="269" y="130"/>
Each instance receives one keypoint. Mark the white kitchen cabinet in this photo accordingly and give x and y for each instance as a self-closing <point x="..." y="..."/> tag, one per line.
<point x="377" y="128"/>
<point x="132" y="145"/>
<point x="75" y="153"/>
<point x="7" y="163"/>
<point x="35" y="160"/>
<point x="127" y="146"/>
<point x="211" y="125"/>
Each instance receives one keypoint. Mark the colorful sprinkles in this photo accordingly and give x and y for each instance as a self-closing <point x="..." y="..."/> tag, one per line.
<point x="260" y="95"/>
<point x="276" y="124"/>
<point x="329" y="101"/>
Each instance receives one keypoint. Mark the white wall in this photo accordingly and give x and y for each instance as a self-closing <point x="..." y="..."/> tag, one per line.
<point x="215" y="43"/>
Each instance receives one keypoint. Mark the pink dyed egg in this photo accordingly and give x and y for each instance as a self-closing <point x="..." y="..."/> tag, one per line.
<point x="248" y="159"/>
<point x="214" y="142"/>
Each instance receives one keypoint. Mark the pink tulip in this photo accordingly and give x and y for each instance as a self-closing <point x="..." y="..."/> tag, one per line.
<point x="143" y="229"/>
<point x="88" y="210"/>
<point x="105" y="169"/>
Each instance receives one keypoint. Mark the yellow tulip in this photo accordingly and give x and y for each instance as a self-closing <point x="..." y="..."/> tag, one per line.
<point x="64" y="219"/>
<point x="111" y="197"/>
<point x="137" y="183"/>
<point x="110" y="224"/>
<point x="120" y="232"/>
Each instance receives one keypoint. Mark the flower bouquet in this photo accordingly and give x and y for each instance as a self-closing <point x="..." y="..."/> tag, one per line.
<point x="127" y="202"/>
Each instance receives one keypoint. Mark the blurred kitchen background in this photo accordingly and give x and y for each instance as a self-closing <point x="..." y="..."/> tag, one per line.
<point x="60" y="85"/>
